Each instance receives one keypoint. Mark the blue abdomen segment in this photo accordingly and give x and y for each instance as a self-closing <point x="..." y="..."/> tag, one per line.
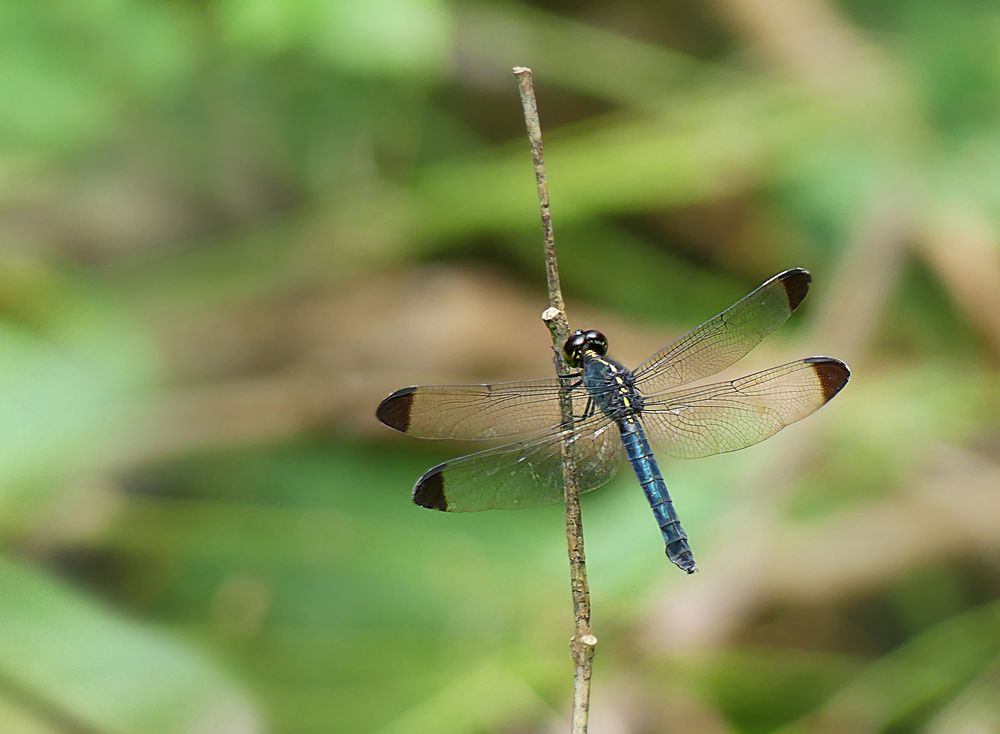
<point x="648" y="473"/>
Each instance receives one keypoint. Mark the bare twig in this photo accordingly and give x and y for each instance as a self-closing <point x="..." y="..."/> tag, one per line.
<point x="583" y="642"/>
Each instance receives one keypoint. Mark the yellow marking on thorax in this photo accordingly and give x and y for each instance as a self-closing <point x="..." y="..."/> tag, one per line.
<point x="605" y="362"/>
<point x="623" y="389"/>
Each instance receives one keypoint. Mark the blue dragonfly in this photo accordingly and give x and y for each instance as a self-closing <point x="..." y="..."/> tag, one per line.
<point x="618" y="414"/>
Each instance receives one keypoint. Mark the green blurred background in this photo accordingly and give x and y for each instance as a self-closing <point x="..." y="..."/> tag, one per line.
<point x="229" y="228"/>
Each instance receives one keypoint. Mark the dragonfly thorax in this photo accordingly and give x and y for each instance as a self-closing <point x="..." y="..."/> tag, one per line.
<point x="611" y="386"/>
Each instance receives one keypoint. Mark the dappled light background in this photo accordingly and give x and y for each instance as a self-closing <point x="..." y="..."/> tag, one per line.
<point x="229" y="228"/>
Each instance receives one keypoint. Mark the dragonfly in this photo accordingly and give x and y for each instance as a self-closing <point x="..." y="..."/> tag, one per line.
<point x="618" y="414"/>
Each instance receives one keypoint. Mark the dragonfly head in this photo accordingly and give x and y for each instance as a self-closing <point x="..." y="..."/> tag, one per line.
<point x="584" y="341"/>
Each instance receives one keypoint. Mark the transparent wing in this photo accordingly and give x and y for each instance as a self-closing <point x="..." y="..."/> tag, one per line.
<point x="726" y="338"/>
<point x="501" y="410"/>
<point x="523" y="474"/>
<point x="727" y="416"/>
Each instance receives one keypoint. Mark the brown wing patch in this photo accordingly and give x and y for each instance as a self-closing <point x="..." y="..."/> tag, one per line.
<point x="796" y="282"/>
<point x="394" y="411"/>
<point x="831" y="373"/>
<point x="429" y="490"/>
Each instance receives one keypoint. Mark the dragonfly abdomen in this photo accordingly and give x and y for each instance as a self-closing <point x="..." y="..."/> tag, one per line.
<point x="643" y="462"/>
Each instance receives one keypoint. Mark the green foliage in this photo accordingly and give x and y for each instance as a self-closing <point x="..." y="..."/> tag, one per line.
<point x="229" y="228"/>
<point x="71" y="662"/>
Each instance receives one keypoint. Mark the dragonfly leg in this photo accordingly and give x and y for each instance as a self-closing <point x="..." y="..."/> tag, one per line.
<point x="587" y="411"/>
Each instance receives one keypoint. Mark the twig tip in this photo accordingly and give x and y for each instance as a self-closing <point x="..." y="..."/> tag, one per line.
<point x="551" y="314"/>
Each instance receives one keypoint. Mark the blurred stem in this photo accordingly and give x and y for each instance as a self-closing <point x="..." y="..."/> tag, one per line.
<point x="583" y="642"/>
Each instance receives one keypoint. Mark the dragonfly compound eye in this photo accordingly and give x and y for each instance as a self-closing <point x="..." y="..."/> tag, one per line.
<point x="596" y="341"/>
<point x="573" y="350"/>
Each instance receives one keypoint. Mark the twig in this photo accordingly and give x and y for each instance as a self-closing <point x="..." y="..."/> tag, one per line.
<point x="583" y="642"/>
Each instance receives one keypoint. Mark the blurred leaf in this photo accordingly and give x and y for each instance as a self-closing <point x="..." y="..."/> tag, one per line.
<point x="17" y="719"/>
<point x="796" y="682"/>
<point x="212" y="199"/>
<point x="904" y="686"/>
<point x="63" y="65"/>
<point x="70" y="372"/>
<point x="384" y="36"/>
<point x="80" y="663"/>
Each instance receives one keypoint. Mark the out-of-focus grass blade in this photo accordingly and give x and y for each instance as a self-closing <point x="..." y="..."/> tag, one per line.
<point x="976" y="709"/>
<point x="624" y="70"/>
<point x="18" y="719"/>
<point x="355" y="36"/>
<point x="920" y="676"/>
<point x="485" y="697"/>
<point x="67" y="659"/>
<point x="709" y="147"/>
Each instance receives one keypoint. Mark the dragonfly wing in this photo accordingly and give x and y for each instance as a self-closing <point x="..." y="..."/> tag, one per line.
<point x="501" y="410"/>
<point x="727" y="416"/>
<point x="724" y="339"/>
<point x="523" y="474"/>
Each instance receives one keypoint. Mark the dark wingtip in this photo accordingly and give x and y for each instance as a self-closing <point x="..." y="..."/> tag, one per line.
<point x="429" y="489"/>
<point x="796" y="282"/>
<point x="394" y="411"/>
<point x="832" y="373"/>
